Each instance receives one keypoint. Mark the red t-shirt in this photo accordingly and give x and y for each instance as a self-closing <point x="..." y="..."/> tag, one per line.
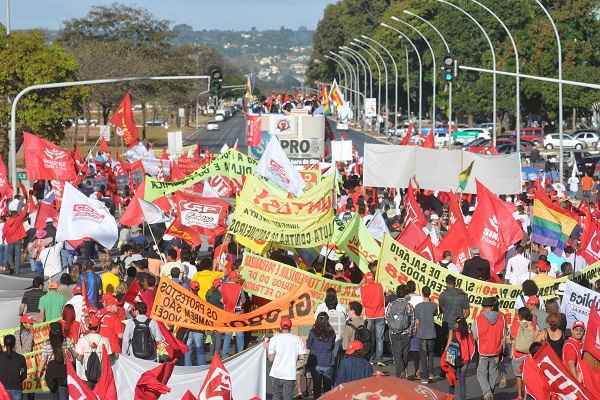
<point x="373" y="300"/>
<point x="572" y="350"/>
<point x="74" y="331"/>
<point x="111" y="328"/>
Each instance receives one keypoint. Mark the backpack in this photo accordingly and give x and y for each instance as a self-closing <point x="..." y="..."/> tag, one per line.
<point x="525" y="337"/>
<point x="93" y="368"/>
<point x="142" y="341"/>
<point x="453" y="354"/>
<point x="398" y="317"/>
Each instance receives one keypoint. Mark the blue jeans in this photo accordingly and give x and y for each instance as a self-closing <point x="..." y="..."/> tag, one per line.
<point x="37" y="268"/>
<point x="15" y="394"/>
<point x="13" y="256"/>
<point x="377" y="328"/>
<point x="239" y="343"/>
<point x="66" y="258"/>
<point x="195" y="341"/>
<point x="2" y="254"/>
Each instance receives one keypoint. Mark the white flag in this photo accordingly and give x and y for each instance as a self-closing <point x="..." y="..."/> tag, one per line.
<point x="152" y="214"/>
<point x="377" y="226"/>
<point x="81" y="217"/>
<point x="275" y="166"/>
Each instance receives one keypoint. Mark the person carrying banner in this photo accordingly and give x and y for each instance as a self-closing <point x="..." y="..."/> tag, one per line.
<point x="283" y="350"/>
<point x="523" y="332"/>
<point x="488" y="331"/>
<point x="373" y="300"/>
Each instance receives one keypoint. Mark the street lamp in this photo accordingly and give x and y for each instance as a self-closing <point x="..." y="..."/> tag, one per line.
<point x="365" y="63"/>
<point x="355" y="79"/>
<point x="396" y="86"/>
<point x="366" y="50"/>
<point x="385" y="70"/>
<point x="429" y="24"/>
<point x="487" y="37"/>
<point x="358" y="64"/>
<point x="433" y="113"/>
<point x="420" y="70"/>
<point x="342" y="67"/>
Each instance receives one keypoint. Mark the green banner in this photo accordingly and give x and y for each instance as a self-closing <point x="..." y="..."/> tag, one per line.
<point x="231" y="164"/>
<point x="356" y="241"/>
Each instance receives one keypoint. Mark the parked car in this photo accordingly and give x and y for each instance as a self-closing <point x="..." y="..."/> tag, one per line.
<point x="219" y="117"/>
<point x="590" y="138"/>
<point x="531" y="134"/>
<point x="212" y="126"/>
<point x="552" y="141"/>
<point x="465" y="136"/>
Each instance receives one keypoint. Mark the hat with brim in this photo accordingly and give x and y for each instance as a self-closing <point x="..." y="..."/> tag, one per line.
<point x="354" y="346"/>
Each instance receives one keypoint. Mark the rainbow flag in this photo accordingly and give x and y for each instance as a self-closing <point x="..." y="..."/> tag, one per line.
<point x="551" y="225"/>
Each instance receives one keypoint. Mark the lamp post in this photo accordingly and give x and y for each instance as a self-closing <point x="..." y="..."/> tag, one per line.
<point x="385" y="70"/>
<point x="396" y="85"/>
<point x="420" y="70"/>
<point x="443" y="39"/>
<point x="434" y="72"/>
<point x="365" y="64"/>
<point x="366" y="50"/>
<point x="560" y="90"/>
<point x="359" y="64"/>
<point x="355" y="79"/>
<point x="487" y="37"/>
<point x="342" y="67"/>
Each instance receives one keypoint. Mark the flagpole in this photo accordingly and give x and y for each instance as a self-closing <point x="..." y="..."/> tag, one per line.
<point x="93" y="147"/>
<point x="155" y="243"/>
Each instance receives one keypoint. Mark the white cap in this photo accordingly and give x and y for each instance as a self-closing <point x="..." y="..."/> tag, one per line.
<point x="339" y="267"/>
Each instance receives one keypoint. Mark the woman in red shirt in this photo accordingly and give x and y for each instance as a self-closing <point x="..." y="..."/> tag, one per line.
<point x="462" y="335"/>
<point x="573" y="350"/>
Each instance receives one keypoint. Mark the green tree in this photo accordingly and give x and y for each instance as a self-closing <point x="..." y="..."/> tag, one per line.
<point x="27" y="59"/>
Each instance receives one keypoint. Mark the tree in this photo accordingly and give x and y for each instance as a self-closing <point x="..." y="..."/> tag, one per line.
<point x="27" y="59"/>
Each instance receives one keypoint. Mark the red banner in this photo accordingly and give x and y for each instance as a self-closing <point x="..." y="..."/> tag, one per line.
<point x="198" y="216"/>
<point x="45" y="160"/>
<point x="124" y="120"/>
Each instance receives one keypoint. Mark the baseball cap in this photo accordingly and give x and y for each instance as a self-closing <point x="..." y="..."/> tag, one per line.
<point x="194" y="285"/>
<point x="354" y="346"/>
<point x="533" y="301"/>
<point x="52" y="285"/>
<point x="285" y="322"/>
<point x="217" y="283"/>
<point x="339" y="267"/>
<point x="578" y="324"/>
<point x="543" y="265"/>
<point x="94" y="321"/>
<point x="27" y="319"/>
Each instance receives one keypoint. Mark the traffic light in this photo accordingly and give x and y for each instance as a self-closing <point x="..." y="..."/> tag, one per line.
<point x="216" y="80"/>
<point x="448" y="68"/>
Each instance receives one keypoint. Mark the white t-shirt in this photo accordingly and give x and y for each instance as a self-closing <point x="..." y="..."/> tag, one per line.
<point x="85" y="346"/>
<point x="286" y="347"/>
<point x="77" y="303"/>
<point x="573" y="184"/>
<point x="517" y="270"/>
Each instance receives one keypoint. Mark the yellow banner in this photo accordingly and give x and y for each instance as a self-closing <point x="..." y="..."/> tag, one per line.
<point x="175" y="305"/>
<point x="398" y="265"/>
<point x="270" y="279"/>
<point x="264" y="212"/>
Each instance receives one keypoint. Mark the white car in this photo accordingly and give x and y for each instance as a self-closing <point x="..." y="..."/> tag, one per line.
<point x="212" y="126"/>
<point x="219" y="118"/>
<point x="552" y="141"/>
<point x="589" y="138"/>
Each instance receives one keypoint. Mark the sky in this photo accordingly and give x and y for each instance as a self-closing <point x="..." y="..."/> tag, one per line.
<point x="200" y="14"/>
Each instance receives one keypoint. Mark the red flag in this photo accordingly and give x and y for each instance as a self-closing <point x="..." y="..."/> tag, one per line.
<point x="589" y="247"/>
<point x="5" y="186"/>
<point x="47" y="161"/>
<point x="493" y="228"/>
<point x="45" y="211"/>
<point x="103" y="146"/>
<point x="78" y="389"/>
<point x="198" y="216"/>
<point x="409" y="132"/>
<point x="217" y="384"/>
<point x="124" y="120"/>
<point x="591" y="378"/>
<point x="562" y="385"/>
<point x="429" y="142"/>
<point x="133" y="214"/>
<point x="134" y="290"/>
<point x="187" y="396"/>
<point x="253" y="126"/>
<point x="457" y="241"/>
<point x="412" y="236"/>
<point x="153" y="383"/>
<point x="414" y="213"/>
<point x="106" y="388"/>
<point x="591" y="342"/>
<point x="175" y="347"/>
<point x="426" y="249"/>
<point x="536" y="384"/>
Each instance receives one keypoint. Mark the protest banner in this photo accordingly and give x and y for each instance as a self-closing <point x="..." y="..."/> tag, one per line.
<point x="175" y="305"/>
<point x="577" y="301"/>
<point x="397" y="265"/>
<point x="232" y="164"/>
<point x="311" y="177"/>
<point x="356" y="241"/>
<point x="264" y="212"/>
<point x="270" y="279"/>
<point x="255" y="246"/>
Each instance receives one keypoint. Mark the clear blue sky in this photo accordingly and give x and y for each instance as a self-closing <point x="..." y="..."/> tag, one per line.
<point x="201" y="14"/>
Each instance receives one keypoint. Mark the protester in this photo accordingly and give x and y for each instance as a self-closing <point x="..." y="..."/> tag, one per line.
<point x="320" y="343"/>
<point x="424" y="320"/>
<point x="373" y="300"/>
<point x="477" y="267"/>
<point x="462" y="348"/>
<point x="447" y="262"/>
<point x="55" y="355"/>
<point x="110" y="278"/>
<point x="517" y="268"/>
<point x="195" y="341"/>
<point x="13" y="368"/>
<point x="233" y="298"/>
<point x="283" y="351"/>
<point x="24" y="335"/>
<point x="523" y="333"/>
<point x="77" y="302"/>
<point x="553" y="335"/>
<point x="52" y="303"/>
<point x="355" y="328"/>
<point x="141" y="335"/>
<point x="337" y="318"/>
<point x="573" y="350"/>
<point x="31" y="298"/>
<point x="88" y="352"/>
<point x="453" y="304"/>
<point x="354" y="365"/>
<point x="400" y="318"/>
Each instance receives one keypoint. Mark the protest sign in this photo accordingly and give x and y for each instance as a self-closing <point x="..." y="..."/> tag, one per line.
<point x="356" y="241"/>
<point x="577" y="301"/>
<point x="232" y="164"/>
<point x="270" y="279"/>
<point x="175" y="305"/>
<point x="397" y="265"/>
<point x="264" y="212"/>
